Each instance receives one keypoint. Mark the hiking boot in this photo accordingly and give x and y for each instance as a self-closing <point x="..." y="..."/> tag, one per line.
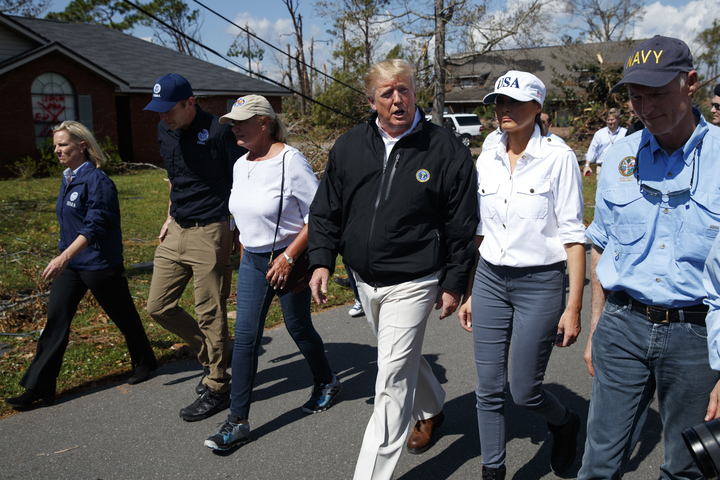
<point x="232" y="433"/>
<point x="201" y="387"/>
<point x="322" y="396"/>
<point x="206" y="405"/>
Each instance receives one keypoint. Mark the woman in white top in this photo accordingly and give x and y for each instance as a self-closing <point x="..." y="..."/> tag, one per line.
<point x="531" y="209"/>
<point x="269" y="173"/>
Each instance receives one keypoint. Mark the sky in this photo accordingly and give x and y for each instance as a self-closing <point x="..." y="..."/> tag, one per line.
<point x="270" y="20"/>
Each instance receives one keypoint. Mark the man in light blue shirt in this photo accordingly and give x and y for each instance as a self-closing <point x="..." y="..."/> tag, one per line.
<point x="657" y="213"/>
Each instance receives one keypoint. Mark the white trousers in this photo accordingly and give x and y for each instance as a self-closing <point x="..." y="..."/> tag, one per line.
<point x="405" y="387"/>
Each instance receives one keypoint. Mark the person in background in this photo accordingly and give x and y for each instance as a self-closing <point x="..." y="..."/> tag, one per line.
<point x="274" y="235"/>
<point x="547" y="123"/>
<point x="90" y="258"/>
<point x="529" y="193"/>
<point x="634" y="123"/>
<point x="195" y="239"/>
<point x="602" y="140"/>
<point x="397" y="201"/>
<point x="715" y="107"/>
<point x="656" y="217"/>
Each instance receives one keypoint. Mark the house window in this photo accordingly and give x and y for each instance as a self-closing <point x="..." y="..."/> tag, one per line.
<point x="53" y="102"/>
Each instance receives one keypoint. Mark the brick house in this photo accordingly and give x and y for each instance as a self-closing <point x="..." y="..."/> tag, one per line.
<point x="52" y="71"/>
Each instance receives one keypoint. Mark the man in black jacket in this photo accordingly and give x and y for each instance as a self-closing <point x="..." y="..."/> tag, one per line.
<point x="398" y="201"/>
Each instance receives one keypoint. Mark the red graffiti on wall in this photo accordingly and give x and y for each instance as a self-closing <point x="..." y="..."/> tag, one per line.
<point x="53" y="106"/>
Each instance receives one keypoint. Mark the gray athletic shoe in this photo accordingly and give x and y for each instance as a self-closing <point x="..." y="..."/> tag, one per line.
<point x="322" y="396"/>
<point x="232" y="433"/>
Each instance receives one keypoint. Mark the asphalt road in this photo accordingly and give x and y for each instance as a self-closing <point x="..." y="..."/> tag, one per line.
<point x="134" y="432"/>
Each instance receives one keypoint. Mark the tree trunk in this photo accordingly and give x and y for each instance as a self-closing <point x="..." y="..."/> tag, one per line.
<point x="438" y="106"/>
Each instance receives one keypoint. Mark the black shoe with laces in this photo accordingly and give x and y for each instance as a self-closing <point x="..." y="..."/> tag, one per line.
<point x="564" y="445"/>
<point x="28" y="398"/>
<point x="206" y="405"/>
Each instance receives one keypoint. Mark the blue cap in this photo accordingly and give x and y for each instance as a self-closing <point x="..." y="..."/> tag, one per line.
<point x="656" y="62"/>
<point x="717" y="90"/>
<point x="167" y="91"/>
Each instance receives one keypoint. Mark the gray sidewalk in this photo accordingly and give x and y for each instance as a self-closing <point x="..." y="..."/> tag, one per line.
<point x="134" y="432"/>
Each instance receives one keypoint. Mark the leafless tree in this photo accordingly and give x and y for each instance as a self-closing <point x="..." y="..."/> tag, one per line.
<point x="475" y="27"/>
<point x="606" y="20"/>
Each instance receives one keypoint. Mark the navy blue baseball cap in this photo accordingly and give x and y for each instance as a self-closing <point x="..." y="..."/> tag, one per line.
<point x="717" y="90"/>
<point x="167" y="91"/>
<point x="655" y="62"/>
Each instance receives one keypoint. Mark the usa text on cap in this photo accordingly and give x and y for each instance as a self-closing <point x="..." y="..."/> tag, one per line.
<point x="521" y="86"/>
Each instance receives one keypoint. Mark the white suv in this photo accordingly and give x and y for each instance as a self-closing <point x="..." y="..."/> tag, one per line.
<point x="465" y="125"/>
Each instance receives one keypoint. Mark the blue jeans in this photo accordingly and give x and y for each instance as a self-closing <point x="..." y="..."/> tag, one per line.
<point x="253" y="301"/>
<point x="524" y="304"/>
<point x="633" y="359"/>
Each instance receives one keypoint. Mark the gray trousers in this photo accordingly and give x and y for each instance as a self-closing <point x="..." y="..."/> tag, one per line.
<point x="525" y="305"/>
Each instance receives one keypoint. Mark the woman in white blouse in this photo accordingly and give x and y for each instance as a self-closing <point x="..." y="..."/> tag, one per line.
<point x="531" y="209"/>
<point x="269" y="173"/>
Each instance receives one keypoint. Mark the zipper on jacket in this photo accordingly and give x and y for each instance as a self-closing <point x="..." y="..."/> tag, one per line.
<point x="372" y="223"/>
<point x="392" y="174"/>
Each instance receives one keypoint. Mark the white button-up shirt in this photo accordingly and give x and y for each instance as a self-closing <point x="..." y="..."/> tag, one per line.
<point x="601" y="143"/>
<point x="527" y="216"/>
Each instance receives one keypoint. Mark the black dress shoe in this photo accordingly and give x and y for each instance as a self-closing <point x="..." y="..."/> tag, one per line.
<point x="140" y="375"/>
<point x="564" y="445"/>
<point x="29" y="397"/>
<point x="206" y="405"/>
<point x="201" y="387"/>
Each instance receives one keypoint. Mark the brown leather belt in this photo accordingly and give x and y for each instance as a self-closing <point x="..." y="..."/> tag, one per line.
<point x="694" y="314"/>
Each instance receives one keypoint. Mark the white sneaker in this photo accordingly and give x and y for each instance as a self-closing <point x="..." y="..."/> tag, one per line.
<point x="357" y="309"/>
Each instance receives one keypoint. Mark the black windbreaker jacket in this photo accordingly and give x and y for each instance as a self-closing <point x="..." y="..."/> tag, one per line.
<point x="402" y="221"/>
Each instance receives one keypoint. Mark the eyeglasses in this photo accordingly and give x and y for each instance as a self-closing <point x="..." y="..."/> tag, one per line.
<point x="716" y="106"/>
<point x="657" y="193"/>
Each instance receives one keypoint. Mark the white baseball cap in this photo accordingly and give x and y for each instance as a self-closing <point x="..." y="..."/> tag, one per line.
<point x="247" y="107"/>
<point x="521" y="86"/>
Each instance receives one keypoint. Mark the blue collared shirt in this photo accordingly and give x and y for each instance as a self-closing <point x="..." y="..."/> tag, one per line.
<point x="655" y="246"/>
<point x="711" y="280"/>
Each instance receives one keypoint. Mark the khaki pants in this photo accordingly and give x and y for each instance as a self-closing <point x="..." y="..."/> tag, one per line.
<point x="406" y="386"/>
<point x="201" y="253"/>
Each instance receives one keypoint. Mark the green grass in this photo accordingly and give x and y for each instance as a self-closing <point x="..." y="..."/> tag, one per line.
<point x="97" y="352"/>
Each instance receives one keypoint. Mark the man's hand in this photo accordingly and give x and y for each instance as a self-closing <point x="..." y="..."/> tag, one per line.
<point x="465" y="315"/>
<point x="713" y="411"/>
<point x="588" y="357"/>
<point x="449" y="302"/>
<point x="164" y="229"/>
<point x="319" y="285"/>
<point x="587" y="170"/>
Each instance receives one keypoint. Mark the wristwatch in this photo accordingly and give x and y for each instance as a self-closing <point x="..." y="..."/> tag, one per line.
<point x="289" y="259"/>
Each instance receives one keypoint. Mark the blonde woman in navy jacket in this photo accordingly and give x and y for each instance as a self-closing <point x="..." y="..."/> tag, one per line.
<point x="90" y="258"/>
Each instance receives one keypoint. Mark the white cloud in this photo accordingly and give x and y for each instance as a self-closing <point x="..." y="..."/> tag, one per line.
<point x="683" y="22"/>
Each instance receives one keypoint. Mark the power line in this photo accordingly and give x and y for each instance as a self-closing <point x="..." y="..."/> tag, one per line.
<point x="278" y="49"/>
<point x="270" y="80"/>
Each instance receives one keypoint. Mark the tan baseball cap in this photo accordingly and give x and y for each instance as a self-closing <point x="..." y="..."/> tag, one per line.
<point x="248" y="107"/>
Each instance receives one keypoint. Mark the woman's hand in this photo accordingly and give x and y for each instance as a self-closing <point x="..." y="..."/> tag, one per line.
<point x="465" y="315"/>
<point x="278" y="273"/>
<point x="568" y="328"/>
<point x="55" y="267"/>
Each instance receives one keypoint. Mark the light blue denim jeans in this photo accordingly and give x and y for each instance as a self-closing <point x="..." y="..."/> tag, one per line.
<point x="633" y="359"/>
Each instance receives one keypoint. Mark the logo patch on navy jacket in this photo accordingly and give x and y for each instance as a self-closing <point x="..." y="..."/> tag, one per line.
<point x="422" y="175"/>
<point x="73" y="196"/>
<point x="203" y="135"/>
